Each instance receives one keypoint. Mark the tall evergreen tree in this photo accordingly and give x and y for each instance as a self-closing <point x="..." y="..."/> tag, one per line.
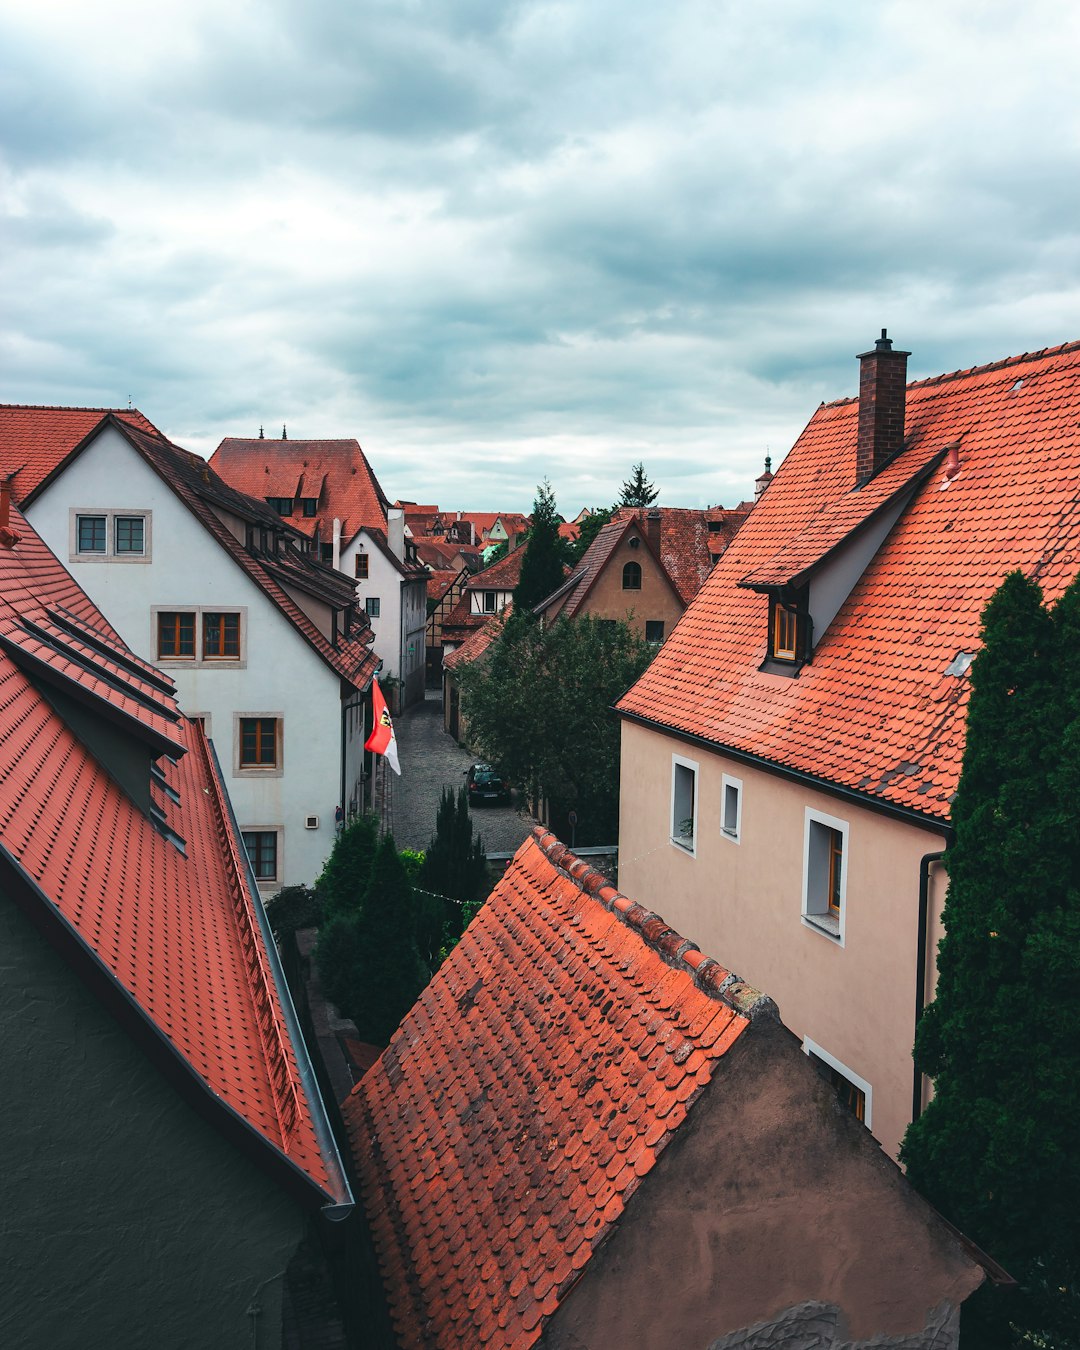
<point x="545" y="556"/>
<point x="344" y="879"/>
<point x="998" y="1147"/>
<point x="637" y="490"/>
<point x="453" y="879"/>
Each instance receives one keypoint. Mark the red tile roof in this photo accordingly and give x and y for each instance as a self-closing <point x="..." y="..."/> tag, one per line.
<point x="525" y="1097"/>
<point x="875" y="711"/>
<point x="35" y="441"/>
<point x="477" y="643"/>
<point x="336" y="472"/>
<point x="503" y="574"/>
<point x="178" y="930"/>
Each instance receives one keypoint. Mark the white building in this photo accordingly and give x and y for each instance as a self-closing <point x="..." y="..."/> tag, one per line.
<point x="268" y="647"/>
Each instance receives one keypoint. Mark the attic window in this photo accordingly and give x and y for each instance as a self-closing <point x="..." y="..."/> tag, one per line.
<point x="310" y="505"/>
<point x="789" y="631"/>
<point x="282" y="505"/>
<point x="631" y="577"/>
<point x="960" y="663"/>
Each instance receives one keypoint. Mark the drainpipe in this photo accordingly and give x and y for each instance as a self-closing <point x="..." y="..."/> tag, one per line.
<point x="337" y="545"/>
<point x="925" y="863"/>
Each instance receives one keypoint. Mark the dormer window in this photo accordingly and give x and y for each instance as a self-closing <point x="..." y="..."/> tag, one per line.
<point x="790" y="642"/>
<point x="785" y="643"/>
<point x="310" y="506"/>
<point x="282" y="505"/>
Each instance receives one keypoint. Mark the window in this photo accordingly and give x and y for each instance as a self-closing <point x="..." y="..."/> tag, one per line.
<point x="683" y="802"/>
<point x="789" y="631"/>
<point x="326" y="553"/>
<point x="854" y="1093"/>
<point x="825" y="872"/>
<point x="731" y="808"/>
<point x="175" y="636"/>
<point x="785" y="631"/>
<point x="654" y="631"/>
<point x="631" y="577"/>
<point x="489" y="601"/>
<point x="128" y="534"/>
<point x="262" y="850"/>
<point x="282" y="505"/>
<point x="259" y="743"/>
<point x="362" y="566"/>
<point x="373" y="605"/>
<point x="92" y="534"/>
<point x="221" y="636"/>
<point x="119" y="536"/>
<point x="310" y="506"/>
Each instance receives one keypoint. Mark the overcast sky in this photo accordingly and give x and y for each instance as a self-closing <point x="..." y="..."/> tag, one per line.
<point x="498" y="241"/>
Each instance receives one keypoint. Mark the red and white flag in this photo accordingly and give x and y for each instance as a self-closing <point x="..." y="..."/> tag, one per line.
<point x="382" y="739"/>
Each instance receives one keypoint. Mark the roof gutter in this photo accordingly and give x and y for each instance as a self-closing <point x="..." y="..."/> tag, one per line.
<point x="121" y="1004"/>
<point x="343" y="1204"/>
<point x="847" y="794"/>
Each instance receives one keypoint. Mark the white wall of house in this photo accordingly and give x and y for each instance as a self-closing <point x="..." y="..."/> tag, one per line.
<point x="740" y="893"/>
<point x="278" y="674"/>
<point x="383" y="583"/>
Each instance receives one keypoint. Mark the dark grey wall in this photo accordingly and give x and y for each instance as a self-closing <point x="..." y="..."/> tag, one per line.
<point x="771" y="1197"/>
<point x="126" y="1221"/>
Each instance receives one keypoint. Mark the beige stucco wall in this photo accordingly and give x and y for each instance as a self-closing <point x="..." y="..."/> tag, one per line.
<point x="741" y="902"/>
<point x="655" y="600"/>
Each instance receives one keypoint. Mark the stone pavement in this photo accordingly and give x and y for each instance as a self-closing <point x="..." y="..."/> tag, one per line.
<point x="431" y="760"/>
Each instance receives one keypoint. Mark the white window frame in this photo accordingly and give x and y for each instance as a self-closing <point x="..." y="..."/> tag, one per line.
<point x="109" y="554"/>
<point x="267" y="883"/>
<point x="811" y="1048"/>
<point x="368" y="600"/>
<point x="735" y="784"/>
<point x="680" y="841"/>
<point x="821" y="920"/>
<point x="198" y="661"/>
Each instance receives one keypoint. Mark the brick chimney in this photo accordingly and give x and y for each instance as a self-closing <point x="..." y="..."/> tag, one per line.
<point x="882" y="393"/>
<point x="652" y="530"/>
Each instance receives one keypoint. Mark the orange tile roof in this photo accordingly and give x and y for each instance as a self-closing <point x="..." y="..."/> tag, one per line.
<point x="526" y="1096"/>
<point x="503" y="574"/>
<point x="875" y="711"/>
<point x="335" y="472"/>
<point x="36" y="440"/>
<point x="177" y="929"/>
<point x="477" y="643"/>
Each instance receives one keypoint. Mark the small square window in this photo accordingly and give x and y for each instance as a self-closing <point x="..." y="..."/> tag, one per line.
<point x="362" y="566"/>
<point x="310" y="506"/>
<point x="129" y="534"/>
<point x="654" y="631"/>
<point x="853" y="1092"/>
<point x="326" y="553"/>
<point x="262" y="850"/>
<point x="221" y="636"/>
<point x="683" y="803"/>
<point x="176" y="636"/>
<point x="259" y="743"/>
<point x="373" y="605"/>
<point x="731" y="808"/>
<point x="92" y="534"/>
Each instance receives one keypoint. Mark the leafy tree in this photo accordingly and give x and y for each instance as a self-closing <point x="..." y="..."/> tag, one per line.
<point x="345" y="877"/>
<point x="540" y="706"/>
<point x="453" y="879"/>
<point x="637" y="490"/>
<point x="545" y="556"/>
<point x="291" y="908"/>
<point x="368" y="960"/>
<point x="997" y="1148"/>
<point x="591" y="526"/>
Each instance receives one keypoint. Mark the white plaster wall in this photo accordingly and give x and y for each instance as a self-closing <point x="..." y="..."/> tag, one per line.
<point x="384" y="580"/>
<point x="742" y="904"/>
<point x="281" y="675"/>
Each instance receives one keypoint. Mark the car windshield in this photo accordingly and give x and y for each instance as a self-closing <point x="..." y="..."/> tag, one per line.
<point x="484" y="773"/>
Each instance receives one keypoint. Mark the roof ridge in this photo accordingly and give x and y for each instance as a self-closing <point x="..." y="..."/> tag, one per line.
<point x="680" y="953"/>
<point x="69" y="407"/>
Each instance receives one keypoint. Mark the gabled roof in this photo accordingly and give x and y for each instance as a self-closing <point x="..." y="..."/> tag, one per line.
<point x="410" y="570"/>
<point x="36" y="440"/>
<point x="166" y="929"/>
<point x="201" y="490"/>
<point x="875" y="711"/>
<point x="503" y="574"/>
<point x="334" y="472"/>
<point x="477" y="643"/>
<point x="541" y="1074"/>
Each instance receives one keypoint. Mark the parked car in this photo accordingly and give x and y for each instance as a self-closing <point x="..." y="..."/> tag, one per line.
<point x="485" y="784"/>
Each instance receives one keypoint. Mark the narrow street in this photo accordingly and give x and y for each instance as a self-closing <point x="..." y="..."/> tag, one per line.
<point x="430" y="761"/>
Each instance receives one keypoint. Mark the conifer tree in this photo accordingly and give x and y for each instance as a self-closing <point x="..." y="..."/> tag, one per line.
<point x="637" y="490"/>
<point x="345" y="877"/>
<point x="996" y="1150"/>
<point x="453" y="878"/>
<point x="545" y="555"/>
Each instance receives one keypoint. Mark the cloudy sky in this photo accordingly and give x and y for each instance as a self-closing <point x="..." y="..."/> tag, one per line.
<point x="498" y="241"/>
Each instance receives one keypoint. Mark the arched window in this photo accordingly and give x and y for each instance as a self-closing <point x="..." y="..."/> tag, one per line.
<point x="631" y="577"/>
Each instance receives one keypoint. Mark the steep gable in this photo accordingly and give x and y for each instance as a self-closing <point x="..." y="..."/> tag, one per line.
<point x="35" y="441"/>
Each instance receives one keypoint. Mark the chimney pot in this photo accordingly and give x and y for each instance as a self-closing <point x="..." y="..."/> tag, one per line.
<point x="882" y="400"/>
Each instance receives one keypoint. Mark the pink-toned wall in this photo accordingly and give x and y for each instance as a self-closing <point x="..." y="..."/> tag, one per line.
<point x="655" y="600"/>
<point x="741" y="902"/>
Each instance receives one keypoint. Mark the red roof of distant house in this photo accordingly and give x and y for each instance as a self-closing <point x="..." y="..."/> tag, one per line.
<point x="36" y="440"/>
<point x="179" y="931"/>
<point x="725" y="525"/>
<point x="502" y="575"/>
<point x="477" y="643"/>
<point x="334" y="472"/>
<point x="440" y="582"/>
<point x="875" y="710"/>
<point x="541" y="1074"/>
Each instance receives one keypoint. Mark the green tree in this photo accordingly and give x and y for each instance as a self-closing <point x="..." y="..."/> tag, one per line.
<point x="590" y="527"/>
<point x="453" y="879"/>
<point x="540" y="706"/>
<point x="345" y="877"/>
<point x="545" y="555"/>
<point x="291" y="908"/>
<point x="997" y="1150"/>
<point x="637" y="490"/>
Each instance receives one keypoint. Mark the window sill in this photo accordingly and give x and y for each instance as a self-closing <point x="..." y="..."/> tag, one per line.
<point x="826" y="924"/>
<point x="686" y="844"/>
<point x="733" y="835"/>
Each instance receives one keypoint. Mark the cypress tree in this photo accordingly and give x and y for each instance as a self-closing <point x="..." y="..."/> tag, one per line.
<point x="453" y="878"/>
<point x="545" y="555"/>
<point x="996" y="1150"/>
<point x="345" y="877"/>
<point x="637" y="490"/>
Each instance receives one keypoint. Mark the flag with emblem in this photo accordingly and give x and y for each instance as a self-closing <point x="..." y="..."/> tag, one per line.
<point x="382" y="739"/>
